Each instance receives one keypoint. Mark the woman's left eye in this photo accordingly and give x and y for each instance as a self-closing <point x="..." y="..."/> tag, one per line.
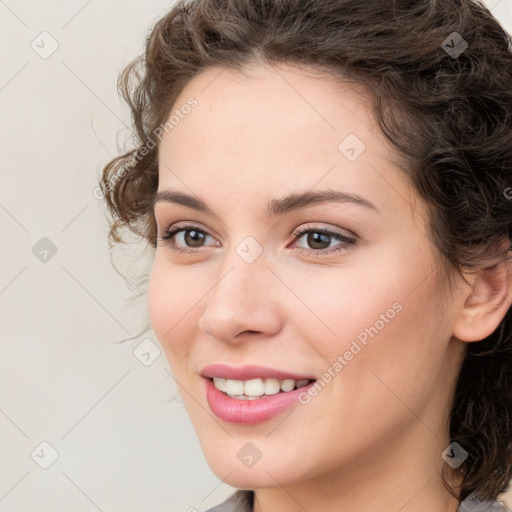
<point x="192" y="237"/>
<point x="321" y="236"/>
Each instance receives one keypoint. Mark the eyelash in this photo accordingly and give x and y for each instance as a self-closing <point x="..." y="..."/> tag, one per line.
<point x="298" y="233"/>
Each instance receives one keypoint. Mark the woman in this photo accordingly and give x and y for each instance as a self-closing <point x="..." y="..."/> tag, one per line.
<point x="326" y="187"/>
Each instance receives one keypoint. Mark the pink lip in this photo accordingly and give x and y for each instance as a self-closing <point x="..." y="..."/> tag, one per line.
<point x="250" y="411"/>
<point x="249" y="372"/>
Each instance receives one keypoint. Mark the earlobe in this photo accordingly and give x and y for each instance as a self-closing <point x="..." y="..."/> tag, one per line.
<point x="485" y="306"/>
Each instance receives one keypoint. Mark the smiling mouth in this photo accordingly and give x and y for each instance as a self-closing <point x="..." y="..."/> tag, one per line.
<point x="255" y="389"/>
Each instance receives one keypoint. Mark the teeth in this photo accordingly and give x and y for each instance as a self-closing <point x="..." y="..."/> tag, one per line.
<point x="219" y="383"/>
<point x="272" y="386"/>
<point x="287" y="385"/>
<point x="234" y="387"/>
<point x="256" y="388"/>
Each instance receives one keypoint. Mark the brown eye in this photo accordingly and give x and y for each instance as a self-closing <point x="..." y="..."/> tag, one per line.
<point x="185" y="238"/>
<point x="319" y="240"/>
<point x="193" y="237"/>
<point x="314" y="239"/>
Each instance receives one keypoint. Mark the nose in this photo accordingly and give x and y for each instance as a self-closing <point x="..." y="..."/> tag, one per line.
<point x="242" y="304"/>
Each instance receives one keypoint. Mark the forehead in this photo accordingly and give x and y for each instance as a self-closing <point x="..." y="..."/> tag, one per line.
<point x="270" y="103"/>
<point x="273" y="129"/>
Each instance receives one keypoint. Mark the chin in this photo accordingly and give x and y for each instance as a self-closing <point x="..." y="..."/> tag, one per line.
<point x="264" y="473"/>
<point x="249" y="478"/>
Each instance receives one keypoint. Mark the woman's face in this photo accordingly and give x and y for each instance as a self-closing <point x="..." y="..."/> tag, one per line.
<point x="355" y="303"/>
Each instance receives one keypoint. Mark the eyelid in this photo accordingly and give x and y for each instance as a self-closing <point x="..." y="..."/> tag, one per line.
<point x="303" y="228"/>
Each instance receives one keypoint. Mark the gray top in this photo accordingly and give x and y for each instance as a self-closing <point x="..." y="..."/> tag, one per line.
<point x="242" y="501"/>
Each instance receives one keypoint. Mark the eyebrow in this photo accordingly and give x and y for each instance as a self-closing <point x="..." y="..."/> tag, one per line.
<point x="275" y="206"/>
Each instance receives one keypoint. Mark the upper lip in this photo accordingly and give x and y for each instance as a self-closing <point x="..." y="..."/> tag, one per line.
<point x="249" y="372"/>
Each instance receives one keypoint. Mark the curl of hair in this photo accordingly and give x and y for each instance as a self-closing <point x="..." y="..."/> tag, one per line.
<point x="450" y="118"/>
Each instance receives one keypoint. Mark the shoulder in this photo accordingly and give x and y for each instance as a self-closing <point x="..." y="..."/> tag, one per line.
<point x="471" y="504"/>
<point x="241" y="501"/>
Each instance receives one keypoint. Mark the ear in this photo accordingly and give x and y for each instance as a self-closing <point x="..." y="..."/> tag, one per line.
<point x="486" y="304"/>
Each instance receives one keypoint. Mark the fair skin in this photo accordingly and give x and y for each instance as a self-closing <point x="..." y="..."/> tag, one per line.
<point x="372" y="438"/>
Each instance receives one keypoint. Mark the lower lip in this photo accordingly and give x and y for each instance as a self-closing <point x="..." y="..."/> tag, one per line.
<point x="250" y="411"/>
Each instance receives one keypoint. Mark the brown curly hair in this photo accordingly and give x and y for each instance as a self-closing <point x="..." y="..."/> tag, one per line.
<point x="445" y="107"/>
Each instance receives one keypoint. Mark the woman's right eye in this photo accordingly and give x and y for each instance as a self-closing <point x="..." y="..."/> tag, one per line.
<point x="188" y="236"/>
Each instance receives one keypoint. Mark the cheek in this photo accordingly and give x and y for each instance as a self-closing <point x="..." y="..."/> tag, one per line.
<point x="393" y="344"/>
<point x="170" y="299"/>
<point x="336" y="305"/>
<point x="381" y="316"/>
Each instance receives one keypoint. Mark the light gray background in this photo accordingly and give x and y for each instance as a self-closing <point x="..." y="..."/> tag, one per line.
<point x="121" y="445"/>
